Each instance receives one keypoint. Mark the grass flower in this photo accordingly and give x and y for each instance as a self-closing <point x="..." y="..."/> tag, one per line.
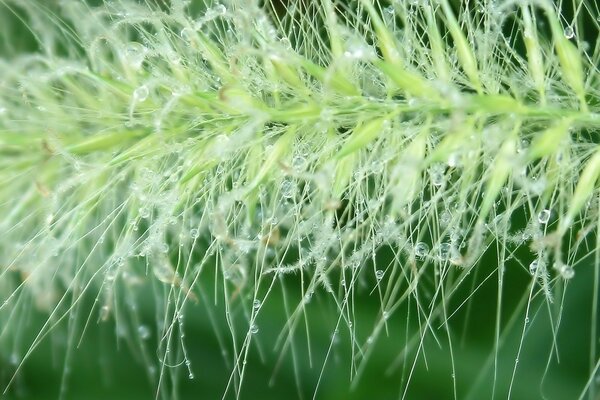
<point x="247" y="153"/>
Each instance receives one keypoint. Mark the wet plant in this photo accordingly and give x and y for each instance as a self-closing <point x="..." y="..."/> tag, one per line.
<point x="236" y="153"/>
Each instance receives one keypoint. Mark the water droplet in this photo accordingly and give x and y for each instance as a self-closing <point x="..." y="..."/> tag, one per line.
<point x="444" y="250"/>
<point x="134" y="54"/>
<point x="377" y="167"/>
<point x="566" y="271"/>
<point x="533" y="267"/>
<point x="187" y="35"/>
<point x="544" y="216"/>
<point x="194" y="233"/>
<point x="379" y="274"/>
<point x="143" y="332"/>
<point x="569" y="33"/>
<point x="256" y="304"/>
<point x="144" y="212"/>
<point x="358" y="49"/>
<point x="253" y="329"/>
<point x="141" y="94"/>
<point x="285" y="42"/>
<point x="445" y="217"/>
<point x="454" y="160"/>
<point x="104" y="312"/>
<point x="288" y="188"/>
<point x="436" y="174"/>
<point x="307" y="297"/>
<point x="14" y="359"/>
<point x="385" y="315"/>
<point x="421" y="249"/>
<point x="220" y="9"/>
<point x="299" y="163"/>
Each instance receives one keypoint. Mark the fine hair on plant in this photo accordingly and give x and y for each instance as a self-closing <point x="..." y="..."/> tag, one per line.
<point x="309" y="178"/>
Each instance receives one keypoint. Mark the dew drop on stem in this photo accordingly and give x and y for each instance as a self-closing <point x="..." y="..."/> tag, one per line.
<point x="141" y="94"/>
<point x="569" y="33"/>
<point x="544" y="216"/>
<point x="143" y="332"/>
<point x="421" y="249"/>
<point x="134" y="54"/>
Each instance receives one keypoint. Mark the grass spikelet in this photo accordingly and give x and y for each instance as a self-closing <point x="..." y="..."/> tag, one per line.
<point x="336" y="191"/>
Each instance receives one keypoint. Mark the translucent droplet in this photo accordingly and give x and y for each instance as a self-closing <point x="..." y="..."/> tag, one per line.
<point x="143" y="332"/>
<point x="134" y="54"/>
<point x="569" y="33"/>
<point x="421" y="249"/>
<point x="104" y="312"/>
<point x="385" y="315"/>
<point x="544" y="216"/>
<point x="288" y="188"/>
<point x="307" y="297"/>
<point x="379" y="274"/>
<point x="256" y="304"/>
<point x="377" y="167"/>
<point x="194" y="233"/>
<point x="141" y="94"/>
<point x="253" y="329"/>
<point x="187" y="35"/>
<point x="454" y="160"/>
<point x="14" y="359"/>
<point x="358" y="49"/>
<point x="163" y="247"/>
<point x="144" y="212"/>
<point x="445" y="217"/>
<point x="533" y="267"/>
<point x="436" y="175"/>
<point x="299" y="163"/>
<point x="444" y="250"/>
<point x="220" y="9"/>
<point x="285" y="42"/>
<point x="566" y="271"/>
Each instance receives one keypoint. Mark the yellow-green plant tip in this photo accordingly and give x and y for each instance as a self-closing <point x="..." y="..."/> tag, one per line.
<point x="499" y="173"/>
<point x="386" y="42"/>
<point x="587" y="184"/>
<point x="409" y="82"/>
<point x="436" y="43"/>
<point x="534" y="53"/>
<point x="344" y="170"/>
<point x="103" y="142"/>
<point x="549" y="141"/>
<point x="497" y="104"/>
<point x="236" y="100"/>
<point x="361" y="136"/>
<point x="569" y="56"/>
<point x="406" y="179"/>
<point x="338" y="82"/>
<point x="287" y="73"/>
<point x="464" y="50"/>
<point x="278" y="150"/>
